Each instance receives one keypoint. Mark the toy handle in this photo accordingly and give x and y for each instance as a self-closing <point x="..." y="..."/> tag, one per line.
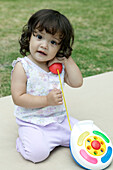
<point x="54" y="67"/>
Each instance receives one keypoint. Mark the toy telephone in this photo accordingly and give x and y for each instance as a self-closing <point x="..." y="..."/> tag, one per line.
<point x="90" y="147"/>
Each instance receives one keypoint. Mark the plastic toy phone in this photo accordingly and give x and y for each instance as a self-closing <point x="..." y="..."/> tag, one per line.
<point x="89" y="146"/>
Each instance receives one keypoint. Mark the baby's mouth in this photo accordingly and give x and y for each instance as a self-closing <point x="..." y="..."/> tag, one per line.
<point x="42" y="53"/>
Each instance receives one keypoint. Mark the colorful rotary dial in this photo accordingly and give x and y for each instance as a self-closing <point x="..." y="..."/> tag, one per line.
<point x="90" y="147"/>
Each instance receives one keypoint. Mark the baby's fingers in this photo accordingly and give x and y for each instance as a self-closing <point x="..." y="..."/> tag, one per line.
<point x="60" y="99"/>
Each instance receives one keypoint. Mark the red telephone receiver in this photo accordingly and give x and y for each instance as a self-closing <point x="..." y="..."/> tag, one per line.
<point x="53" y="68"/>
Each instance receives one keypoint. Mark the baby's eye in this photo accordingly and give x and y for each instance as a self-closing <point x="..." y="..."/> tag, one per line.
<point x="39" y="36"/>
<point x="53" y="42"/>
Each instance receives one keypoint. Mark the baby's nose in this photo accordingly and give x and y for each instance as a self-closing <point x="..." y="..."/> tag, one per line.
<point x="44" y="45"/>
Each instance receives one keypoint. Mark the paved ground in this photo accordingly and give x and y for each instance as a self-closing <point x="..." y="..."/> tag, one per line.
<point x="93" y="101"/>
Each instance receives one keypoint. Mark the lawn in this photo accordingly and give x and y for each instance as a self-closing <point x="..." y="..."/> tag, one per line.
<point x="92" y="21"/>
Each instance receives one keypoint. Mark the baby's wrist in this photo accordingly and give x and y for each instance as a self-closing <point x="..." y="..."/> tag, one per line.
<point x="46" y="101"/>
<point x="68" y="60"/>
<point x="65" y="61"/>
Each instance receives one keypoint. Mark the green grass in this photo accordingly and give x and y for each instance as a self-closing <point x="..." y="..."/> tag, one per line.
<point x="93" y="25"/>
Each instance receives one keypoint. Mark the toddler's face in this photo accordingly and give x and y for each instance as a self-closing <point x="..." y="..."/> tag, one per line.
<point x="44" y="46"/>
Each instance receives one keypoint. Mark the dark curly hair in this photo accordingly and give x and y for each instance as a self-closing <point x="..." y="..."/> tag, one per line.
<point x="52" y="22"/>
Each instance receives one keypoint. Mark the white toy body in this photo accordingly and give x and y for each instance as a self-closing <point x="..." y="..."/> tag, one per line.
<point x="90" y="147"/>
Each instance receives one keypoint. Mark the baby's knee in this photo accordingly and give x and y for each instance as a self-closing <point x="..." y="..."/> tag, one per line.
<point x="38" y="153"/>
<point x="33" y="144"/>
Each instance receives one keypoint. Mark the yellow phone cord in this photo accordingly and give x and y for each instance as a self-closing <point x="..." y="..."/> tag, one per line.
<point x="64" y="99"/>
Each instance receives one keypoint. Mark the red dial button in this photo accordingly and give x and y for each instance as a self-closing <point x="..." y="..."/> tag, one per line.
<point x="96" y="145"/>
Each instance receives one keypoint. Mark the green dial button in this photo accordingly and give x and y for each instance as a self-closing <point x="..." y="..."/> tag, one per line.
<point x="102" y="135"/>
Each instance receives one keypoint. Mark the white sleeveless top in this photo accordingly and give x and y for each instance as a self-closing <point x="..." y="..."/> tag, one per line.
<point x="40" y="83"/>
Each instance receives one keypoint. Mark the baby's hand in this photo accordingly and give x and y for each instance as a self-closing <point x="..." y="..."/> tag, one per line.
<point x="54" y="98"/>
<point x="56" y="60"/>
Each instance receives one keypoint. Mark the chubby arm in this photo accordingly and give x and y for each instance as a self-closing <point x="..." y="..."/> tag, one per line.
<point x="21" y="98"/>
<point x="73" y="76"/>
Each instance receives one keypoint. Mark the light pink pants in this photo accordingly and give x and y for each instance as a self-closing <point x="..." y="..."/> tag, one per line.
<point x="36" y="142"/>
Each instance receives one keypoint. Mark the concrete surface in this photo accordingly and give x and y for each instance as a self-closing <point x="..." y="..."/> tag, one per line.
<point x="92" y="101"/>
